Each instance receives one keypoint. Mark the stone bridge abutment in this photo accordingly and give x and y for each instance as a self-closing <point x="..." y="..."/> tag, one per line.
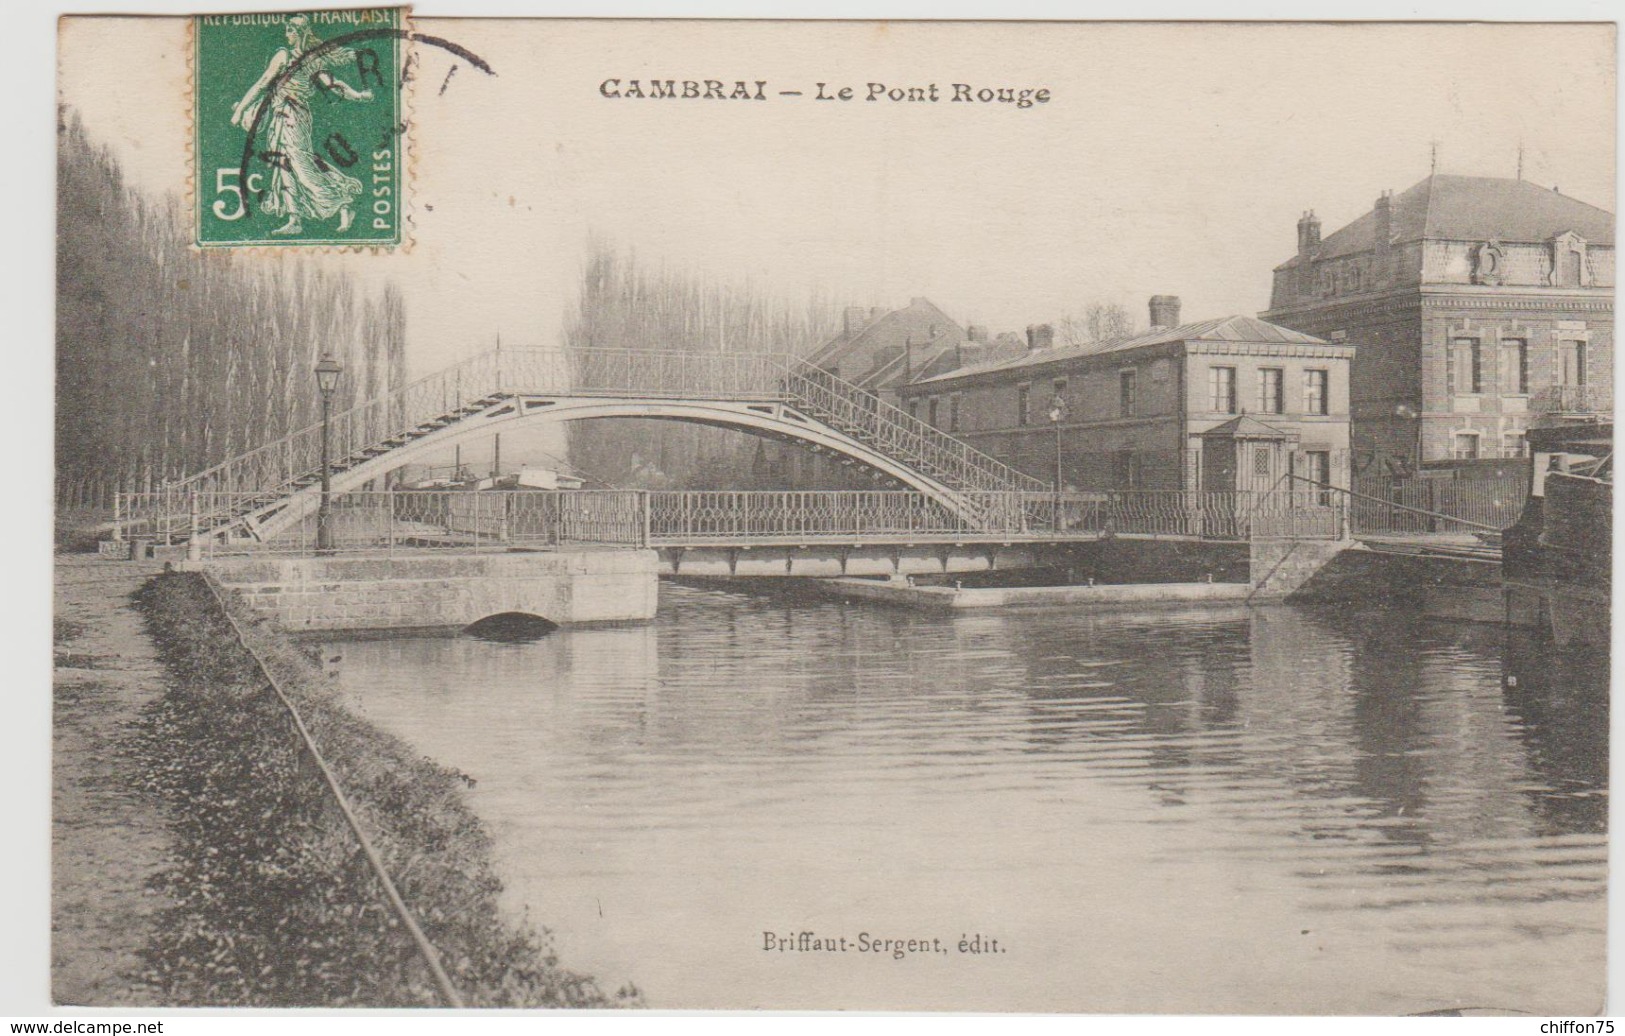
<point x="443" y="592"/>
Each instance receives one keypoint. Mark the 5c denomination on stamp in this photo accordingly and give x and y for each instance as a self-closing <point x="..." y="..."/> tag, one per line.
<point x="297" y="128"/>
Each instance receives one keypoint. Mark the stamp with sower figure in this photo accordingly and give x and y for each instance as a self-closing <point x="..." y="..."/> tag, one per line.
<point x="298" y="128"/>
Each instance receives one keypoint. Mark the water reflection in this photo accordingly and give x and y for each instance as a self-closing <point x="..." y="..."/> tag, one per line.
<point x="1287" y="809"/>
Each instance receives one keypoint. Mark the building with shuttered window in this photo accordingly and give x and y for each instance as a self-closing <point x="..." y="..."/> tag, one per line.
<point x="1481" y="307"/>
<point x="1230" y="403"/>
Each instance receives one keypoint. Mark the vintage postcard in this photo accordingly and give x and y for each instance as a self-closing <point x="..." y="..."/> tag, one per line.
<point x="1092" y="517"/>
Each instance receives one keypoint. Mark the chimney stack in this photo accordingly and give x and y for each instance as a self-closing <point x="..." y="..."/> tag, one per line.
<point x="1382" y="219"/>
<point x="976" y="333"/>
<point x="1164" y="311"/>
<point x="1039" y="337"/>
<point x="1308" y="233"/>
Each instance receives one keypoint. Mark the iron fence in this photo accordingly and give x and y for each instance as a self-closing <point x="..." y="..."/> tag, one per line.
<point x="1422" y="506"/>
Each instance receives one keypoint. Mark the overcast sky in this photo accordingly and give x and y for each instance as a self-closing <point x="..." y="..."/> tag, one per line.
<point x="1171" y="158"/>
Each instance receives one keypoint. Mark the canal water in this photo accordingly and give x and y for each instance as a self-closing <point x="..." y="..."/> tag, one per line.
<point x="1272" y="810"/>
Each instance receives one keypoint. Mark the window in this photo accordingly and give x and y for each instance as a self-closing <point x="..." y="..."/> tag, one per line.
<point x="1514" y="444"/>
<point x="1269" y="391"/>
<point x="1466" y="446"/>
<point x="1221" y="385"/>
<point x="1514" y="367"/>
<point x="1024" y="405"/>
<point x="1466" y="367"/>
<point x="1571" y="363"/>
<point x="1315" y="399"/>
<point x="1261" y="461"/>
<point x="931" y="412"/>
<point x="1125" y="393"/>
<point x="1125" y="470"/>
<point x="953" y="412"/>
<point x="1318" y="469"/>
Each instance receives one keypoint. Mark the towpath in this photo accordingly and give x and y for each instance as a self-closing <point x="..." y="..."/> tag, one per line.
<point x="107" y="838"/>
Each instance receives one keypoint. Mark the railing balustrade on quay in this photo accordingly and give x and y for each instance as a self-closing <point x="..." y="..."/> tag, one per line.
<point x="1422" y="506"/>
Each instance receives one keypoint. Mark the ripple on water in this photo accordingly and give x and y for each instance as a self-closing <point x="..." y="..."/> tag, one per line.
<point x="1352" y="804"/>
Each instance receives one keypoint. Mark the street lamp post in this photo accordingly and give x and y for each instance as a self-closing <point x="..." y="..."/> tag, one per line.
<point x="1057" y="414"/>
<point x="327" y="379"/>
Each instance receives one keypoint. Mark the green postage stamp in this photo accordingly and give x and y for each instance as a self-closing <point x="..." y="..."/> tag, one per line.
<point x="298" y="128"/>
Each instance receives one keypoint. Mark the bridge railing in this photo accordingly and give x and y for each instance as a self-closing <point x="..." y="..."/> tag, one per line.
<point x="896" y="433"/>
<point x="647" y="373"/>
<point x="723" y="516"/>
<point x="879" y="515"/>
<point x="273" y="468"/>
<point x="417" y="520"/>
<point x="407" y="521"/>
<point x="268" y="470"/>
<point x="463" y="519"/>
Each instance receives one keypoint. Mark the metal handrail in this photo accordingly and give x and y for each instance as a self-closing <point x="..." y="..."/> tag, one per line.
<point x="853" y="410"/>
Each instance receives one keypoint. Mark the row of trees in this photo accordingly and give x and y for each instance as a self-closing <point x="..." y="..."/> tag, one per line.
<point x="169" y="359"/>
<point x="624" y="304"/>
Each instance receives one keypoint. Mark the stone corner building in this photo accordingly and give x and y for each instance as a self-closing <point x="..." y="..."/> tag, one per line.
<point x="1480" y="307"/>
<point x="1232" y="403"/>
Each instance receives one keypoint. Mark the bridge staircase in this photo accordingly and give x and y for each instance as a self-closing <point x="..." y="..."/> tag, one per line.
<point x="883" y="427"/>
<point x="257" y="494"/>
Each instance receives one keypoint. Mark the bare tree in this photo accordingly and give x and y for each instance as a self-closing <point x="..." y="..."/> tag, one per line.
<point x="1101" y="322"/>
<point x="624" y="304"/>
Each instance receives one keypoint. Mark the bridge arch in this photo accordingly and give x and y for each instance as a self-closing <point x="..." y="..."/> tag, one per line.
<point x="511" y="627"/>
<point x="771" y="418"/>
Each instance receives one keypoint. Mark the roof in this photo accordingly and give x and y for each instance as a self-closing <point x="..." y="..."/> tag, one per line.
<point x="1221" y="329"/>
<point x="1247" y="427"/>
<point x="840" y="346"/>
<point x="1443" y="207"/>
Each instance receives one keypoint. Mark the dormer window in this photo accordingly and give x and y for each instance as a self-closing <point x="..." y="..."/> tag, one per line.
<point x="1568" y="261"/>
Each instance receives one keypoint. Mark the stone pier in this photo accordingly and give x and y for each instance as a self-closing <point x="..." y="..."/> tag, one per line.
<point x="443" y="592"/>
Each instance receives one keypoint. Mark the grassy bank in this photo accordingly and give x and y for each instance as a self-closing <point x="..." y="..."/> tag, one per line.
<point x="275" y="904"/>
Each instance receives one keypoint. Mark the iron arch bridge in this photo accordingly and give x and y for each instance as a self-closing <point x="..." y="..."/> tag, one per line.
<point x="260" y="494"/>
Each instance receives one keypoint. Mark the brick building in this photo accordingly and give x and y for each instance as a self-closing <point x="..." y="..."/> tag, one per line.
<point x="1232" y="403"/>
<point x="1480" y="307"/>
